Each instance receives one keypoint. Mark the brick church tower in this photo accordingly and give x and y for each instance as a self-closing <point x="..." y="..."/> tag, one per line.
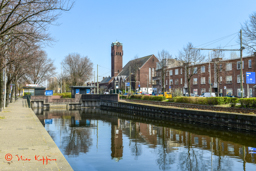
<point x="116" y="58"/>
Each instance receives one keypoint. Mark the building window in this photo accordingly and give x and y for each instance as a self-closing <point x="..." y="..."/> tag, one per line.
<point x="202" y="69"/>
<point x="153" y="71"/>
<point x="176" y="71"/>
<point x="250" y="63"/>
<point x="238" y="79"/>
<point x="220" y="79"/>
<point x="181" y="71"/>
<point x="203" y="90"/>
<point x="170" y="72"/>
<point x="181" y="81"/>
<point x="189" y="71"/>
<point x="239" y="92"/>
<point x="176" y="81"/>
<point x="195" y="70"/>
<point x="239" y="64"/>
<point x="228" y="66"/>
<point x="166" y="82"/>
<point x="171" y="82"/>
<point x="229" y="79"/>
<point x="194" y="81"/>
<point x="118" y="71"/>
<point x="220" y="90"/>
<point x="195" y="91"/>
<point x="220" y="67"/>
<point x="202" y="80"/>
<point x="250" y="92"/>
<point x="229" y="92"/>
<point x="149" y="75"/>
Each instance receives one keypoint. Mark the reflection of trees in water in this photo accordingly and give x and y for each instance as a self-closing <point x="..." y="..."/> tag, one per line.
<point x="165" y="159"/>
<point x="221" y="163"/>
<point x="136" y="149"/>
<point x="78" y="141"/>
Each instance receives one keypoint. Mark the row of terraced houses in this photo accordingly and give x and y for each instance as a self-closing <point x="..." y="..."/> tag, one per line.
<point x="218" y="72"/>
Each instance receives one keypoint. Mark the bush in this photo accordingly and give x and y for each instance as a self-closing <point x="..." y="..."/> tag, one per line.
<point x="248" y="102"/>
<point x="63" y="95"/>
<point x="124" y="97"/>
<point x="203" y="100"/>
<point x="142" y="97"/>
<point x="27" y="94"/>
<point x="233" y="101"/>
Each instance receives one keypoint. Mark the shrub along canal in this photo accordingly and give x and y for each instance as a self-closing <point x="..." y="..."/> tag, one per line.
<point x="94" y="139"/>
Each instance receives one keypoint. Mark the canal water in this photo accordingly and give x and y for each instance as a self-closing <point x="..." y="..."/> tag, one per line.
<point x="92" y="139"/>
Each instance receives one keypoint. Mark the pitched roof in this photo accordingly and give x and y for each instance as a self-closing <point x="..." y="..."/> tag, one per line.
<point x="135" y="64"/>
<point x="106" y="80"/>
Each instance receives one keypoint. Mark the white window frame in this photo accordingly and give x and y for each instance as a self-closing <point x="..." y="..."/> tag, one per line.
<point x="228" y="81"/>
<point x="238" y="64"/>
<point x="176" y="71"/>
<point x="238" y="79"/>
<point x="180" y="80"/>
<point x="195" y="70"/>
<point x="171" y="81"/>
<point x="202" y="80"/>
<point x="181" y="71"/>
<point x="229" y="66"/>
<point x="177" y="81"/>
<point x="202" y="69"/>
<point x="194" y="79"/>
<point x="170" y="72"/>
<point x="249" y="63"/>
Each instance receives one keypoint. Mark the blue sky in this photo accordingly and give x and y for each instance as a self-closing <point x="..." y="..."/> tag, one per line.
<point x="144" y="27"/>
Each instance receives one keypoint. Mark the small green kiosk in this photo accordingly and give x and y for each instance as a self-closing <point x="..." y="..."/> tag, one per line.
<point x="81" y="90"/>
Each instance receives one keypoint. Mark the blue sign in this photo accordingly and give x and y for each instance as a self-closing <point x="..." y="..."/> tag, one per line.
<point x="48" y="92"/>
<point x="88" y="91"/>
<point x="127" y="84"/>
<point x="250" y="78"/>
<point x="77" y="91"/>
<point x="48" y="121"/>
<point x="88" y="122"/>
<point x="139" y="85"/>
<point x="169" y="87"/>
<point x="251" y="150"/>
<point x="77" y="122"/>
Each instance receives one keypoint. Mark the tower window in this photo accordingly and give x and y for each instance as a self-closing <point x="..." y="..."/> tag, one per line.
<point x="118" y="71"/>
<point x="116" y="53"/>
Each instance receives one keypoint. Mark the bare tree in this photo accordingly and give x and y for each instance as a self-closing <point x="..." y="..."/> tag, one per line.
<point x="190" y="57"/>
<point x="42" y="68"/>
<point x="78" y="69"/>
<point x="218" y="66"/>
<point x="163" y="58"/>
<point x="249" y="33"/>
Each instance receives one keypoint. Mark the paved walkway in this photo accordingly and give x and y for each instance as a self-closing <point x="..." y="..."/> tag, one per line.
<point x="22" y="134"/>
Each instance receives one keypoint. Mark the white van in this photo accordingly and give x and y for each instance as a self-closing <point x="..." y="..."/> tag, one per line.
<point x="207" y="94"/>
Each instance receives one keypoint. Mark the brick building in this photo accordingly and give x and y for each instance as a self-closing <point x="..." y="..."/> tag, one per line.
<point x="142" y="70"/>
<point x="224" y="73"/>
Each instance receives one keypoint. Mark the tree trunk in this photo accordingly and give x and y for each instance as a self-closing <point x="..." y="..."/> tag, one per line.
<point x="7" y="95"/>
<point x="12" y="91"/>
<point x="16" y="86"/>
<point x="1" y="86"/>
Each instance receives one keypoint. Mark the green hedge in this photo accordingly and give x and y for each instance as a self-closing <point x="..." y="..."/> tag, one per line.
<point x="142" y="97"/>
<point x="63" y="95"/>
<point x="203" y="100"/>
<point x="248" y="102"/>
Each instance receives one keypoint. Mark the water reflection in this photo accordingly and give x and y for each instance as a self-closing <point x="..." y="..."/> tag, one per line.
<point x="104" y="140"/>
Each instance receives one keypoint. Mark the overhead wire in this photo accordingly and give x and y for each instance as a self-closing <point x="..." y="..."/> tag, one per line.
<point x="216" y="40"/>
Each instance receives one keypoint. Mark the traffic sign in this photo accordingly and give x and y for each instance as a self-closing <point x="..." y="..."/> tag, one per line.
<point x="48" y="121"/>
<point x="169" y="87"/>
<point x="250" y="77"/>
<point x="48" y="92"/>
<point x="139" y="85"/>
<point x="127" y="84"/>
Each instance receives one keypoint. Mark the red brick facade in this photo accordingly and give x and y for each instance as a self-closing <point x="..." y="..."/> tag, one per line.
<point x="228" y="76"/>
<point x="116" y="58"/>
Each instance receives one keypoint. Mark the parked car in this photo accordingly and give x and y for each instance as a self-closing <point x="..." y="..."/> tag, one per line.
<point x="191" y="95"/>
<point x="125" y="94"/>
<point x="208" y="94"/>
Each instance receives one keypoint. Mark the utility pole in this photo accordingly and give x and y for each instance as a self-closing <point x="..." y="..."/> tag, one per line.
<point x="241" y="64"/>
<point x="147" y="84"/>
<point x="94" y="83"/>
<point x="130" y="79"/>
<point x="210" y="75"/>
<point x="61" y="80"/>
<point x="5" y="85"/>
<point x="97" y="80"/>
<point x="241" y="56"/>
